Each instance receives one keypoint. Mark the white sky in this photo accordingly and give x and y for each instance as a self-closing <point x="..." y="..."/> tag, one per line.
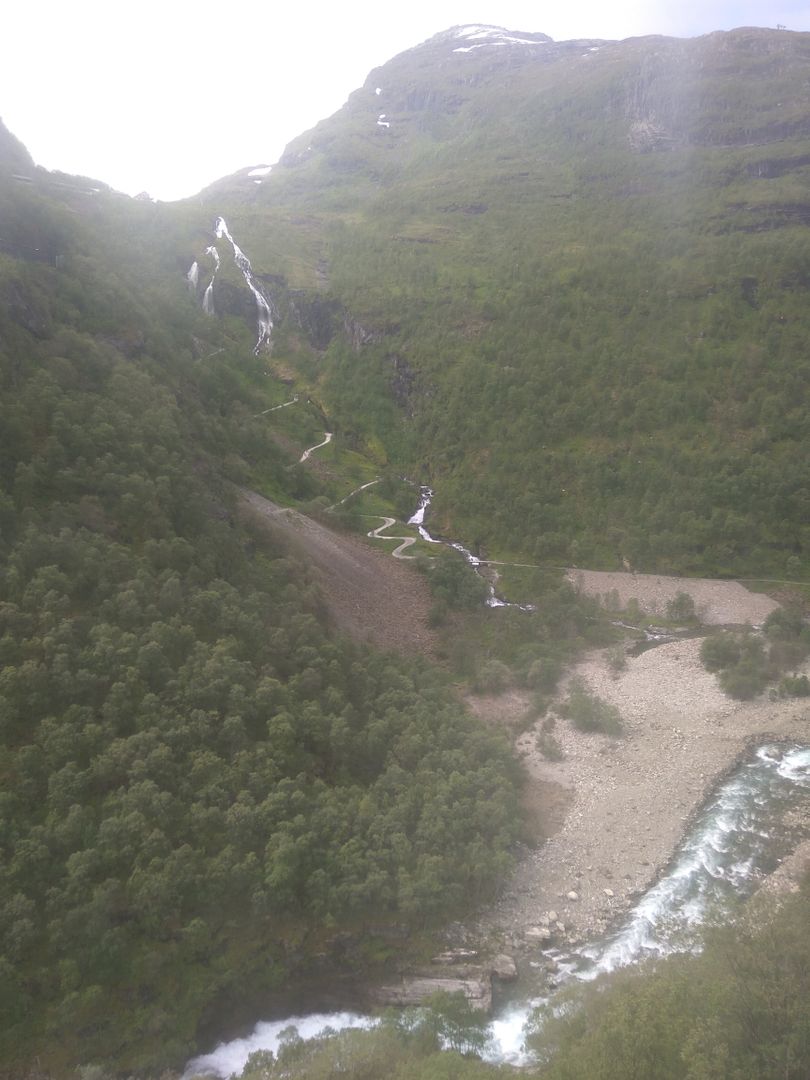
<point x="168" y="96"/>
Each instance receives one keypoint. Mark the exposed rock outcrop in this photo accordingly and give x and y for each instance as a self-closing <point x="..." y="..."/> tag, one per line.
<point x="417" y="989"/>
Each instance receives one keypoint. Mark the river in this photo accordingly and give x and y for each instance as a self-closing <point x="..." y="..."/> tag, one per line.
<point x="732" y="844"/>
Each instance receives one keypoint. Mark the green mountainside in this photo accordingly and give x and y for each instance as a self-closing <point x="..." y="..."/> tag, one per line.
<point x="580" y="273"/>
<point x="566" y="284"/>
<point x="203" y="786"/>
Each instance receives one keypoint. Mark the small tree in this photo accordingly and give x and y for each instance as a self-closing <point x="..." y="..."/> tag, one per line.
<point x="681" y="608"/>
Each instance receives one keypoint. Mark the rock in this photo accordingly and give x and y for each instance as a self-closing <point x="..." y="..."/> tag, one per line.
<point x="553" y="916"/>
<point x="608" y="892"/>
<point x="415" y="990"/>
<point x="572" y="895"/>
<point x="503" y="967"/>
<point x="537" y="934"/>
<point x="560" y="926"/>
<point x="455" y="956"/>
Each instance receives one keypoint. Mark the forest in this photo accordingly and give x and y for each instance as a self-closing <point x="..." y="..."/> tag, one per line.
<point x="739" y="1009"/>
<point x="202" y="783"/>
<point x="574" y="305"/>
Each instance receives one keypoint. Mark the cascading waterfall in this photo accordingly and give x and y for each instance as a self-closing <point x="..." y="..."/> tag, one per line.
<point x="418" y="519"/>
<point x="208" y="298"/>
<point x="193" y="277"/>
<point x="729" y="848"/>
<point x="264" y="313"/>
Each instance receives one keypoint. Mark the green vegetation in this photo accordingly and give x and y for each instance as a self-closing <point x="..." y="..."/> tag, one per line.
<point x="575" y="296"/>
<point x="587" y="712"/>
<point x="747" y="662"/>
<point x="200" y="785"/>
<point x="737" y="1010"/>
<point x="571" y="291"/>
<point x="439" y="1042"/>
<point x="681" y="609"/>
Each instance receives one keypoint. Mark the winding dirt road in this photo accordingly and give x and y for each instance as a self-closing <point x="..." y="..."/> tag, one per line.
<point x="312" y="449"/>
<point x="407" y="541"/>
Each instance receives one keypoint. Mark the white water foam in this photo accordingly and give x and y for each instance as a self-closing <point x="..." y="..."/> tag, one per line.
<point x="264" y="314"/>
<point x="208" y="298"/>
<point x="418" y="518"/>
<point x="707" y="875"/>
<point x="230" y="1058"/>
<point x="718" y="860"/>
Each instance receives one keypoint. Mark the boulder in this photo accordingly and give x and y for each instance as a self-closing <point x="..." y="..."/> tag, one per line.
<point x="455" y="956"/>
<point x="416" y="989"/>
<point x="503" y="967"/>
<point x="537" y="934"/>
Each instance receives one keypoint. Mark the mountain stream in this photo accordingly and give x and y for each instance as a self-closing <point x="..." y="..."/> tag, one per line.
<point x="418" y="519"/>
<point x="732" y="844"/>
<point x="734" y="841"/>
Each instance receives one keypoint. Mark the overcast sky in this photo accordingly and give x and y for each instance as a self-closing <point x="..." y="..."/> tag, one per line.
<point x="168" y="96"/>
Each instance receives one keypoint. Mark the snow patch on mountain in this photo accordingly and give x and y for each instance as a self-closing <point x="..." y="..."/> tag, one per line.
<point x="493" y="35"/>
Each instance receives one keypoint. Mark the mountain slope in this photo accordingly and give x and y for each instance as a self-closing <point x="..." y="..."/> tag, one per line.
<point x="203" y="784"/>
<point x="580" y="271"/>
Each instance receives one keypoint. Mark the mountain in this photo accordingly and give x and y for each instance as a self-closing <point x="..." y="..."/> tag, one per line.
<point x="565" y="283"/>
<point x="580" y="270"/>
<point x="207" y="789"/>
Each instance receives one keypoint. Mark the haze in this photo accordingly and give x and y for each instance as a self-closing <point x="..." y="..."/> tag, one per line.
<point x="168" y="97"/>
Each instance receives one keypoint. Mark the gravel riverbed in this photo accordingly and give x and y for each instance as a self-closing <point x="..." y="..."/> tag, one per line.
<point x="627" y="802"/>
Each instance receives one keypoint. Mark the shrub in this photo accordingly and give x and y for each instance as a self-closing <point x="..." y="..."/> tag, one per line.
<point x="549" y="746"/>
<point x="617" y="659"/>
<point x="493" y="678"/>
<point x="544" y="674"/>
<point x="742" y="681"/>
<point x="794" y="686"/>
<point x="681" y="608"/>
<point x="744" y="669"/>
<point x="719" y="651"/>
<point x="587" y="712"/>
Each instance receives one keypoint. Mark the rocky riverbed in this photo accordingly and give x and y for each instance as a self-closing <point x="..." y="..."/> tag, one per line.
<point x="620" y="806"/>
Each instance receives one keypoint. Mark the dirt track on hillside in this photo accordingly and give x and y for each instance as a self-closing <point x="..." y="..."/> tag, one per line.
<point x="370" y="596"/>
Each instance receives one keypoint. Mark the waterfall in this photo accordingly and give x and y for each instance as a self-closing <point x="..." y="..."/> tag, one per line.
<point x="208" y="298"/>
<point x="264" y="313"/>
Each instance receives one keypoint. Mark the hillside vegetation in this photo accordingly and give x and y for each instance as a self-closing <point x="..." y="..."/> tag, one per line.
<point x="739" y="1010"/>
<point x="202" y="784"/>
<point x="576" y="280"/>
<point x="566" y="284"/>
